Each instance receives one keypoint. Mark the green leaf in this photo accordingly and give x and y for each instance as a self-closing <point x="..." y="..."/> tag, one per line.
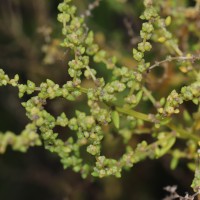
<point x="174" y="163"/>
<point x="139" y="96"/>
<point x="166" y="146"/>
<point x="115" y="118"/>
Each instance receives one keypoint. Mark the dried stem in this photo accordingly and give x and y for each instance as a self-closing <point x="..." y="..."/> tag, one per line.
<point x="170" y="59"/>
<point x="91" y="7"/>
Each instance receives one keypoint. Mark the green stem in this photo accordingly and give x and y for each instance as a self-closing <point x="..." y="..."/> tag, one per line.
<point x="82" y="89"/>
<point x="149" y="95"/>
<point x="91" y="73"/>
<point x="134" y="113"/>
<point x="182" y="133"/>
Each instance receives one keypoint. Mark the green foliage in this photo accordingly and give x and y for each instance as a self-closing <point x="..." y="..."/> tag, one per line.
<point x="115" y="103"/>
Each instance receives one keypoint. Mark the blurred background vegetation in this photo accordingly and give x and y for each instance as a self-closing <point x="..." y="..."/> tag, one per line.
<point x="29" y="45"/>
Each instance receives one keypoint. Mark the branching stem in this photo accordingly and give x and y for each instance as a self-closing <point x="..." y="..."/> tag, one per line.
<point x="170" y="59"/>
